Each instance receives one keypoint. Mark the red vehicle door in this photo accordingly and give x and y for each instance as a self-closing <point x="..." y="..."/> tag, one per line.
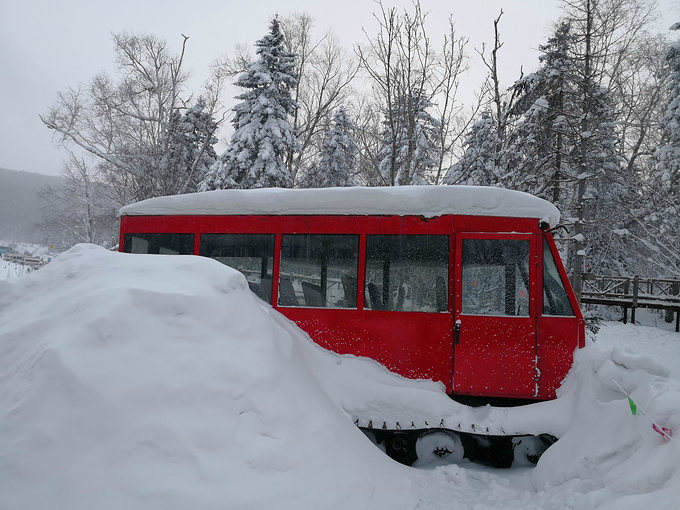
<point x="495" y="315"/>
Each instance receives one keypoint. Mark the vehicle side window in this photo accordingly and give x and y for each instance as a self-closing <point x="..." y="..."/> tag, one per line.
<point x="251" y="254"/>
<point x="495" y="279"/>
<point x="407" y="273"/>
<point x="555" y="297"/>
<point x="319" y="270"/>
<point x="164" y="244"/>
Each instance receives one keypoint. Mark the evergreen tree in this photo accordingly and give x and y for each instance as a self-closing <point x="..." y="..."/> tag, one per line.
<point x="669" y="153"/>
<point x="563" y="147"/>
<point x="546" y="130"/>
<point x="338" y="157"/>
<point x="263" y="135"/>
<point x="478" y="167"/>
<point x="607" y="193"/>
<point x="190" y="153"/>
<point x="661" y="222"/>
<point x="411" y="148"/>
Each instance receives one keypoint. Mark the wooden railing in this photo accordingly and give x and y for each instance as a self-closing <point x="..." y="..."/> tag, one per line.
<point x="633" y="292"/>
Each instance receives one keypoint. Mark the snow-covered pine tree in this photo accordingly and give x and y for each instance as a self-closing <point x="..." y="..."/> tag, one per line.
<point x="262" y="133"/>
<point x="605" y="32"/>
<point x="336" y="166"/>
<point x="546" y="133"/>
<point x="607" y="192"/>
<point x="564" y="147"/>
<point x="477" y="167"/>
<point x="411" y="147"/>
<point x="191" y="152"/>
<point x="662" y="224"/>
<point x="669" y="153"/>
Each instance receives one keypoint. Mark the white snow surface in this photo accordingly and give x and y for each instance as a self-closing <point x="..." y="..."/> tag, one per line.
<point x="11" y="270"/>
<point x="427" y="201"/>
<point x="160" y="382"/>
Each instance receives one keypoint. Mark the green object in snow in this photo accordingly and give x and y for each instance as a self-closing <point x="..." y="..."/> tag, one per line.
<point x="633" y="406"/>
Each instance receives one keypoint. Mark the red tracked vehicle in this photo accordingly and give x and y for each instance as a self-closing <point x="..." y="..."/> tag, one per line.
<point x="456" y="284"/>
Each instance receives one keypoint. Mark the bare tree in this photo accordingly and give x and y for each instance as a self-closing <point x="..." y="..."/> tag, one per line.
<point x="657" y="215"/>
<point x="368" y="123"/>
<point x="79" y="211"/>
<point x="616" y="28"/>
<point x="406" y="71"/>
<point x="325" y="74"/>
<point x="626" y="57"/>
<point x="639" y="88"/>
<point x="450" y="112"/>
<point x="235" y="64"/>
<point x="124" y="122"/>
<point x="499" y="101"/>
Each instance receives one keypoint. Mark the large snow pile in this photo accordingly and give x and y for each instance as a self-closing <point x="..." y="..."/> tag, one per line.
<point x="158" y="382"/>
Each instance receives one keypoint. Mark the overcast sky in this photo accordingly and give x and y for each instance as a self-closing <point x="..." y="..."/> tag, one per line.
<point x="47" y="46"/>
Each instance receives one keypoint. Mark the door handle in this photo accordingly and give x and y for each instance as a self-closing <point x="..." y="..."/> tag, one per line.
<point x="457" y="329"/>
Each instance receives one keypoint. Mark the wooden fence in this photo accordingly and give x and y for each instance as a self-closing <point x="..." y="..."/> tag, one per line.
<point x="633" y="292"/>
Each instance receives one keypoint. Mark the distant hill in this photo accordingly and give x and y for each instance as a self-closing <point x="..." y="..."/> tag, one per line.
<point x="20" y="205"/>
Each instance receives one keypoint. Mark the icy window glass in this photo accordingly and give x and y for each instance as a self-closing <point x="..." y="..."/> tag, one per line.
<point x="495" y="277"/>
<point x="319" y="270"/>
<point x="555" y="298"/>
<point x="407" y="273"/>
<point x="164" y="244"/>
<point x="251" y="254"/>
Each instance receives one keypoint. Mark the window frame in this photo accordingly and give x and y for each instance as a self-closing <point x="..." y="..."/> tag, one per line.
<point x="556" y="265"/>
<point x="393" y="299"/>
<point x="267" y="254"/>
<point x="128" y="242"/>
<point x="533" y="272"/>
<point x="287" y="296"/>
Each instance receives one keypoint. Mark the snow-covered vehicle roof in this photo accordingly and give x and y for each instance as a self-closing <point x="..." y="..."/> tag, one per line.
<point x="427" y="201"/>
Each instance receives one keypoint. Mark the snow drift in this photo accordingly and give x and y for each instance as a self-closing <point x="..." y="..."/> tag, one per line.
<point x="149" y="381"/>
<point x="161" y="382"/>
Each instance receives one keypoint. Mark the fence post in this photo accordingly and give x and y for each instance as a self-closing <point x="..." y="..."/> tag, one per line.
<point x="674" y="291"/>
<point x="636" y="284"/>
<point x="626" y="288"/>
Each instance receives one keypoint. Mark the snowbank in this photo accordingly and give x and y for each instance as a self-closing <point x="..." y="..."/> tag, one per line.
<point x="149" y="382"/>
<point x="11" y="270"/>
<point x="162" y="382"/>
<point x="610" y="457"/>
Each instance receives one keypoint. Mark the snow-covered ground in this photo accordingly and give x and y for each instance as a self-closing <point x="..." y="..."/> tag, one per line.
<point x="155" y="382"/>
<point x="11" y="270"/>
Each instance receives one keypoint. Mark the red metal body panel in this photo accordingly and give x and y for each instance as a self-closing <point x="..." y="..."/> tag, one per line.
<point x="395" y="339"/>
<point x="287" y="224"/>
<point x="558" y="337"/>
<point x="497" y="356"/>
